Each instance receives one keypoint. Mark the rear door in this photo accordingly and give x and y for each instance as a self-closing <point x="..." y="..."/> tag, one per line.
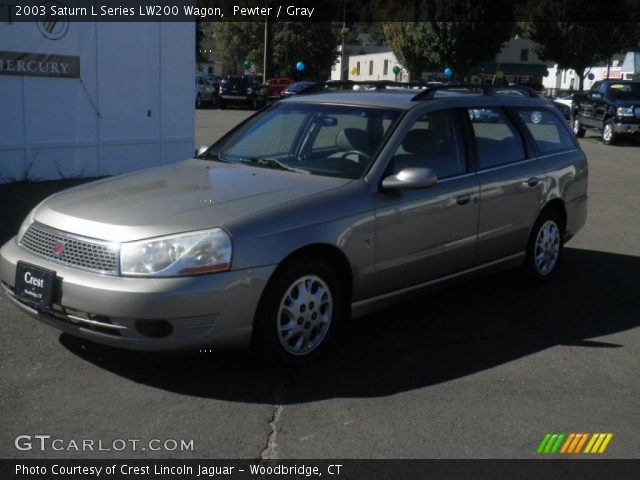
<point x="512" y="183"/>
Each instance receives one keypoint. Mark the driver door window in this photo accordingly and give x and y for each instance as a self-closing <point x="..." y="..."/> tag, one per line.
<point x="432" y="142"/>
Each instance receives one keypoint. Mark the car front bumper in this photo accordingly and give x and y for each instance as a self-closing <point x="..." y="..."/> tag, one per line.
<point x="153" y="314"/>
<point x="626" y="127"/>
<point x="235" y="98"/>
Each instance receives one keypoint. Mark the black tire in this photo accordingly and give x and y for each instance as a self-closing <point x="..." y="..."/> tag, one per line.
<point x="198" y="101"/>
<point x="609" y="136"/>
<point x="222" y="104"/>
<point x="268" y="334"/>
<point x="542" y="271"/>
<point x="576" y="126"/>
<point x="254" y="103"/>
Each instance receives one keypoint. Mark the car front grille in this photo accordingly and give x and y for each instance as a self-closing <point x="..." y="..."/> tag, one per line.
<point x="71" y="250"/>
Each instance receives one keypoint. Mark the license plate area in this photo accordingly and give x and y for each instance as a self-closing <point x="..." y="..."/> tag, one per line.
<point x="35" y="285"/>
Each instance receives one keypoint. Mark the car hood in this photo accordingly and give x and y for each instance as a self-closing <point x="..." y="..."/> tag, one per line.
<point x="626" y="102"/>
<point x="192" y="195"/>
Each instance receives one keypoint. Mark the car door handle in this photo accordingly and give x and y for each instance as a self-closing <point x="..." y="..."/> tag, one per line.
<point x="463" y="199"/>
<point x="532" y="182"/>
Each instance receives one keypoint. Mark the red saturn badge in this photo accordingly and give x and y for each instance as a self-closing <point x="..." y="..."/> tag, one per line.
<point x="58" y="250"/>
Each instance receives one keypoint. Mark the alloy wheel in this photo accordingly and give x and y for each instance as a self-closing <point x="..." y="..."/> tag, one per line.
<point x="547" y="247"/>
<point x="304" y="315"/>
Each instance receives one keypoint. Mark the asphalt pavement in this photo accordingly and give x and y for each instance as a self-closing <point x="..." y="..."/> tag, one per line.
<point x="481" y="370"/>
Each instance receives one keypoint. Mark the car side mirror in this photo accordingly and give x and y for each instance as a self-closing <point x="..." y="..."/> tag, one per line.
<point x="201" y="150"/>
<point x="411" y="178"/>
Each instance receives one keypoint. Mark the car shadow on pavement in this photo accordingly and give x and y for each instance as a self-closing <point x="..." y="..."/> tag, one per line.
<point x="440" y="337"/>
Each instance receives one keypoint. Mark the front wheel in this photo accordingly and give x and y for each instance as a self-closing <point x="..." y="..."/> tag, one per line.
<point x="578" y="129"/>
<point x="609" y="136"/>
<point x="298" y="313"/>
<point x="544" y="250"/>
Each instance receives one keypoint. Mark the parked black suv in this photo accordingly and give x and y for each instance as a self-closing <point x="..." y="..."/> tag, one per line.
<point x="242" y="90"/>
<point x="611" y="106"/>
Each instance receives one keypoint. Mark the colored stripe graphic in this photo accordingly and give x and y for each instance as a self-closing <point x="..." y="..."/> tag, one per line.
<point x="572" y="443"/>
<point x="598" y="442"/>
<point x="550" y="443"/>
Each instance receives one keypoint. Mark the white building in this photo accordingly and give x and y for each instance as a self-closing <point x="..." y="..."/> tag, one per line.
<point x="94" y="99"/>
<point x="623" y="67"/>
<point x="516" y="63"/>
<point x="376" y="66"/>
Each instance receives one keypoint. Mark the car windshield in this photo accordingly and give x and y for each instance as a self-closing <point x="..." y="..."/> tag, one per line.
<point x="329" y="140"/>
<point x="624" y="91"/>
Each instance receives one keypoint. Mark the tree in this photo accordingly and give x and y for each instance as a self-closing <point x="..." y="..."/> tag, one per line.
<point x="575" y="40"/>
<point x="456" y="34"/>
<point x="408" y="42"/>
<point x="314" y="43"/>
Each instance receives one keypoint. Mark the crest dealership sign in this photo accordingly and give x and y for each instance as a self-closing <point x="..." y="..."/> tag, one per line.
<point x="39" y="65"/>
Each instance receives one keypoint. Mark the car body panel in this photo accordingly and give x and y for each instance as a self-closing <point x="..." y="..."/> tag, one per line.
<point x="395" y="244"/>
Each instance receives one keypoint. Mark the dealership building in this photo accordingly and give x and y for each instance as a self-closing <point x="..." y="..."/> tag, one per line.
<point x="92" y="99"/>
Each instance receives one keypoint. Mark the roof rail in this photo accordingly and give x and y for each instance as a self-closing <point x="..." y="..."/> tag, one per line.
<point x="485" y="89"/>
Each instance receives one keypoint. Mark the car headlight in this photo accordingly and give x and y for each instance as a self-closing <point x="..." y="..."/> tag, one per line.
<point x="624" y="111"/>
<point x="249" y="91"/>
<point x="191" y="253"/>
<point x="25" y="226"/>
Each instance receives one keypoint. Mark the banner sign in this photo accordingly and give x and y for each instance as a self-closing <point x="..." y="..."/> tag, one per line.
<point x="39" y="64"/>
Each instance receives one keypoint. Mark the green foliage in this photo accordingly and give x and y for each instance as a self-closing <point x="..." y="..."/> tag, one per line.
<point x="408" y="42"/>
<point x="460" y="45"/>
<point x="313" y="43"/>
<point x="576" y="44"/>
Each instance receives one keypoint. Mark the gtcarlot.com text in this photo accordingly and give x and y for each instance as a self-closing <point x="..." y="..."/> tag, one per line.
<point x="44" y="443"/>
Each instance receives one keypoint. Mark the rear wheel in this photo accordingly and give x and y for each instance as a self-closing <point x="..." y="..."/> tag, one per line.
<point x="198" y="101"/>
<point x="544" y="250"/>
<point x="299" y="312"/>
<point x="578" y="129"/>
<point x="609" y="136"/>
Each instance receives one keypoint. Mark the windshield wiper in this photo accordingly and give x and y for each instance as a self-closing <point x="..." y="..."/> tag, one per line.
<point x="210" y="155"/>
<point x="271" y="163"/>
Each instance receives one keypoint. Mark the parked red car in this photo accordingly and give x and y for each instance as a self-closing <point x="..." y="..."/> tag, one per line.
<point x="276" y="86"/>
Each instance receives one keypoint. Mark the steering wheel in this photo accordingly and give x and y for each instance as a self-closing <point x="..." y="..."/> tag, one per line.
<point x="360" y="153"/>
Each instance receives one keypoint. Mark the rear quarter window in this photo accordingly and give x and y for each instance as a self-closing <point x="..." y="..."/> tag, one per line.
<point x="547" y="130"/>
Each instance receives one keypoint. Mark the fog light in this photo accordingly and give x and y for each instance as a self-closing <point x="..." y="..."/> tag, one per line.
<point x="154" y="328"/>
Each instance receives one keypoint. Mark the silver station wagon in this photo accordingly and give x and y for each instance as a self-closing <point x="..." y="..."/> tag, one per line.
<point x="318" y="209"/>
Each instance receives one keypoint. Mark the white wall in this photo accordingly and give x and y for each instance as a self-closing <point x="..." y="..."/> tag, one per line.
<point x="378" y="67"/>
<point x="568" y="79"/>
<point x="131" y="108"/>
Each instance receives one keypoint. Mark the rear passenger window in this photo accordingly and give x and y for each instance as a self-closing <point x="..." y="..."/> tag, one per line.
<point x="547" y="131"/>
<point x="497" y="139"/>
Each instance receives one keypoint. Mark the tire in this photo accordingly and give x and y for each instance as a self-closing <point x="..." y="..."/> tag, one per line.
<point x="297" y="335"/>
<point x="222" y="104"/>
<point x="198" y="101"/>
<point x="254" y="104"/>
<point x="609" y="136"/>
<point x="545" y="247"/>
<point x="576" y="126"/>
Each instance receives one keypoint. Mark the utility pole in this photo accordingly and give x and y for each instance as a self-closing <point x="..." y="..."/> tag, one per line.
<point x="343" y="32"/>
<point x="266" y="58"/>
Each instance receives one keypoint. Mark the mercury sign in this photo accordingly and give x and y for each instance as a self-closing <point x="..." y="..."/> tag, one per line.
<point x="39" y="65"/>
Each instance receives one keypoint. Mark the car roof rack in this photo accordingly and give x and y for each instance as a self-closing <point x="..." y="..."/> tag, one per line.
<point x="485" y="89"/>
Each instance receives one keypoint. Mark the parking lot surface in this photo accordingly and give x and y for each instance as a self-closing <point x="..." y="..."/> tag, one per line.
<point x="481" y="370"/>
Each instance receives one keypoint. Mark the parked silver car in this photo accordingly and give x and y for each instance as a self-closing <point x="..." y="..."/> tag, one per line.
<point x="205" y="92"/>
<point x="318" y="209"/>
